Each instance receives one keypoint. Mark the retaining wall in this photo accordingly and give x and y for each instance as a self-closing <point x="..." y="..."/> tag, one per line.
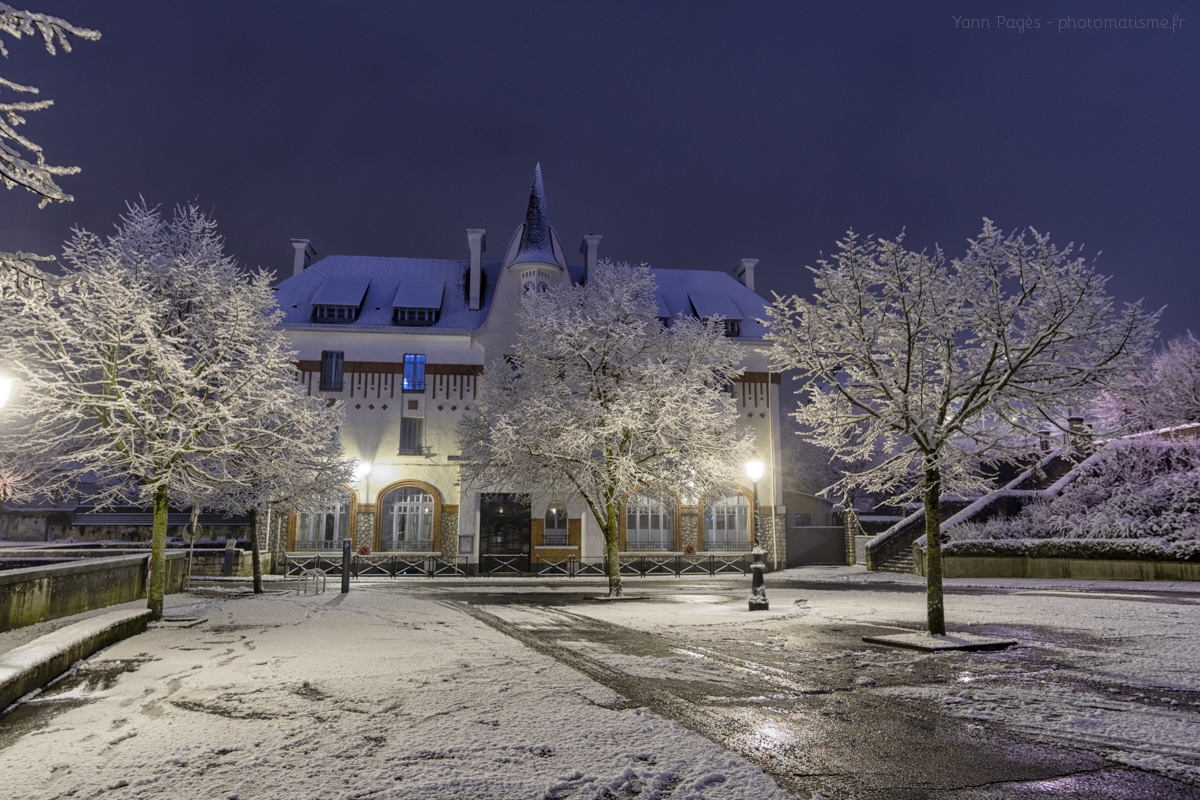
<point x="1079" y="569"/>
<point x="36" y="594"/>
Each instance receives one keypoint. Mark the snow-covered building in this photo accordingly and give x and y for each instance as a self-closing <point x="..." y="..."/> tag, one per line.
<point x="402" y="342"/>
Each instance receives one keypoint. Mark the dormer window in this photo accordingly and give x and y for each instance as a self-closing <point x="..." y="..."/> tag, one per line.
<point x="707" y="305"/>
<point x="339" y="300"/>
<point x="416" y="317"/>
<point x="335" y="314"/>
<point x="417" y="303"/>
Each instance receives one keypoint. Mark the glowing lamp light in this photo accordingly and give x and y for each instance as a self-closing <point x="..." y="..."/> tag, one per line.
<point x="362" y="471"/>
<point x="754" y="470"/>
<point x="6" y="384"/>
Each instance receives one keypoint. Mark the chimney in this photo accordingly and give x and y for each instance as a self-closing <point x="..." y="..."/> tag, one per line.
<point x="304" y="255"/>
<point x="590" y="247"/>
<point x="1044" y="440"/>
<point x="744" y="272"/>
<point x="477" y="241"/>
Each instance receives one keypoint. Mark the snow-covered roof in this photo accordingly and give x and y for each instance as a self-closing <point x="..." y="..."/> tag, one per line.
<point x="664" y="311"/>
<point x="413" y="293"/>
<point x="389" y="282"/>
<point x="678" y="288"/>
<point x="708" y="303"/>
<point x="537" y="243"/>
<point x="344" y="291"/>
<point x="440" y="283"/>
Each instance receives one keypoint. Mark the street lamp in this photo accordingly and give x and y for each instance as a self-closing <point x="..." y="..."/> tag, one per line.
<point x="758" y="589"/>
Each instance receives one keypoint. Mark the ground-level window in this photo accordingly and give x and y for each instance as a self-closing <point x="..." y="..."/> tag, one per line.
<point x="407" y="519"/>
<point x="323" y="530"/>
<point x="555" y="531"/>
<point x="649" y="523"/>
<point x="727" y="523"/>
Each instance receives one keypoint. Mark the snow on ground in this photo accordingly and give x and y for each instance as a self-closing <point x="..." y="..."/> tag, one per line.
<point x="1107" y="666"/>
<point x="374" y="693"/>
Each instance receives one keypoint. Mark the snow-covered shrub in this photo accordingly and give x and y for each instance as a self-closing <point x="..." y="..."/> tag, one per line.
<point x="1137" y="499"/>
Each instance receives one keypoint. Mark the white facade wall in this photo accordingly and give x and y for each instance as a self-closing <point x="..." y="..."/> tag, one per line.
<point x="455" y="354"/>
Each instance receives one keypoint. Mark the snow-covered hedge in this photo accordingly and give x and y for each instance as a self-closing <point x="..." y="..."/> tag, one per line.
<point x="1138" y="499"/>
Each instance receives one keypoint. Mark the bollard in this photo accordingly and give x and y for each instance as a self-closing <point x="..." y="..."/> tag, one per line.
<point x="758" y="588"/>
<point x="345" y="566"/>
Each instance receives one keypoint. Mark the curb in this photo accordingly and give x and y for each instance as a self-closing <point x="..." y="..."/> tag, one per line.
<point x="34" y="665"/>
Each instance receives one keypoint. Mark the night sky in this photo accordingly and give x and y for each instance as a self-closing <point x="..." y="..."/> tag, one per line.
<point x="690" y="134"/>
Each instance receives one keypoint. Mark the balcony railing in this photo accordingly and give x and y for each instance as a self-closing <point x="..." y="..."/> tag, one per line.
<point x="647" y="546"/>
<point x="415" y="546"/>
<point x="317" y="545"/>
<point x="741" y="545"/>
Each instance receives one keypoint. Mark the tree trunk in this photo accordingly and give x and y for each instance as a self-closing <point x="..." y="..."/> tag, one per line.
<point x="158" y="555"/>
<point x="255" y="563"/>
<point x="933" y="548"/>
<point x="612" y="550"/>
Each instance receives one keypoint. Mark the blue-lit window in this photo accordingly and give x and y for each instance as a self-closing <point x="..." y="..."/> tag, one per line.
<point x="414" y="372"/>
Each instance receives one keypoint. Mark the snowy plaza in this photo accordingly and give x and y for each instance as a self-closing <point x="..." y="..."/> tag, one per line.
<point x="308" y="490"/>
<point x="495" y="689"/>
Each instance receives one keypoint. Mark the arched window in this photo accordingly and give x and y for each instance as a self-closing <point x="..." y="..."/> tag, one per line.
<point x="407" y="522"/>
<point x="727" y="523"/>
<point x="649" y="523"/>
<point x="323" y="530"/>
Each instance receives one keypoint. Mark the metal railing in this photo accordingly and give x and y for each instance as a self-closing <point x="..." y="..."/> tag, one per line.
<point x="643" y="565"/>
<point x="398" y="565"/>
<point x="318" y="545"/>
<point x="388" y="565"/>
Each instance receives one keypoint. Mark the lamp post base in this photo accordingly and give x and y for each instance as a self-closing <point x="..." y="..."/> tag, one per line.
<point x="758" y="589"/>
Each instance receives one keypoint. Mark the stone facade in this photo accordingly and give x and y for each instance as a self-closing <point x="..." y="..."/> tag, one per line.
<point x="689" y="530"/>
<point x="449" y="535"/>
<point x="364" y="529"/>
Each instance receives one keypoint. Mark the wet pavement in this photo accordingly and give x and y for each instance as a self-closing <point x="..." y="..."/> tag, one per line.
<point x="800" y="707"/>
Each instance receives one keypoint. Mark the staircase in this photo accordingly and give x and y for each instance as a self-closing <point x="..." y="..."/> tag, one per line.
<point x="892" y="551"/>
<point x="900" y="561"/>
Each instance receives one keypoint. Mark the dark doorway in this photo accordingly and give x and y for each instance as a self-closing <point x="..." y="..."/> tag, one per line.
<point x="504" y="533"/>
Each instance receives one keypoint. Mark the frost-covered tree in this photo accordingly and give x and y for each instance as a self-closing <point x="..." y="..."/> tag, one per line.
<point x="160" y="373"/>
<point x="1160" y="393"/>
<point x="940" y="362"/>
<point x="604" y="400"/>
<point x="290" y="459"/>
<point x="22" y="162"/>
<point x="806" y="467"/>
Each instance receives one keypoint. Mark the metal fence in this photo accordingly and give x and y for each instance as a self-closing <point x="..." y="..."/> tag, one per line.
<point x="643" y="565"/>
<point x="397" y="565"/>
<point x="375" y="566"/>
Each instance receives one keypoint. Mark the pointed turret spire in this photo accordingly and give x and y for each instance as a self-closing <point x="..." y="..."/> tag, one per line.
<point x="537" y="243"/>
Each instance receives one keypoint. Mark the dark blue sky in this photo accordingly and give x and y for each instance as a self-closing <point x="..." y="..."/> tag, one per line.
<point x="690" y="134"/>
